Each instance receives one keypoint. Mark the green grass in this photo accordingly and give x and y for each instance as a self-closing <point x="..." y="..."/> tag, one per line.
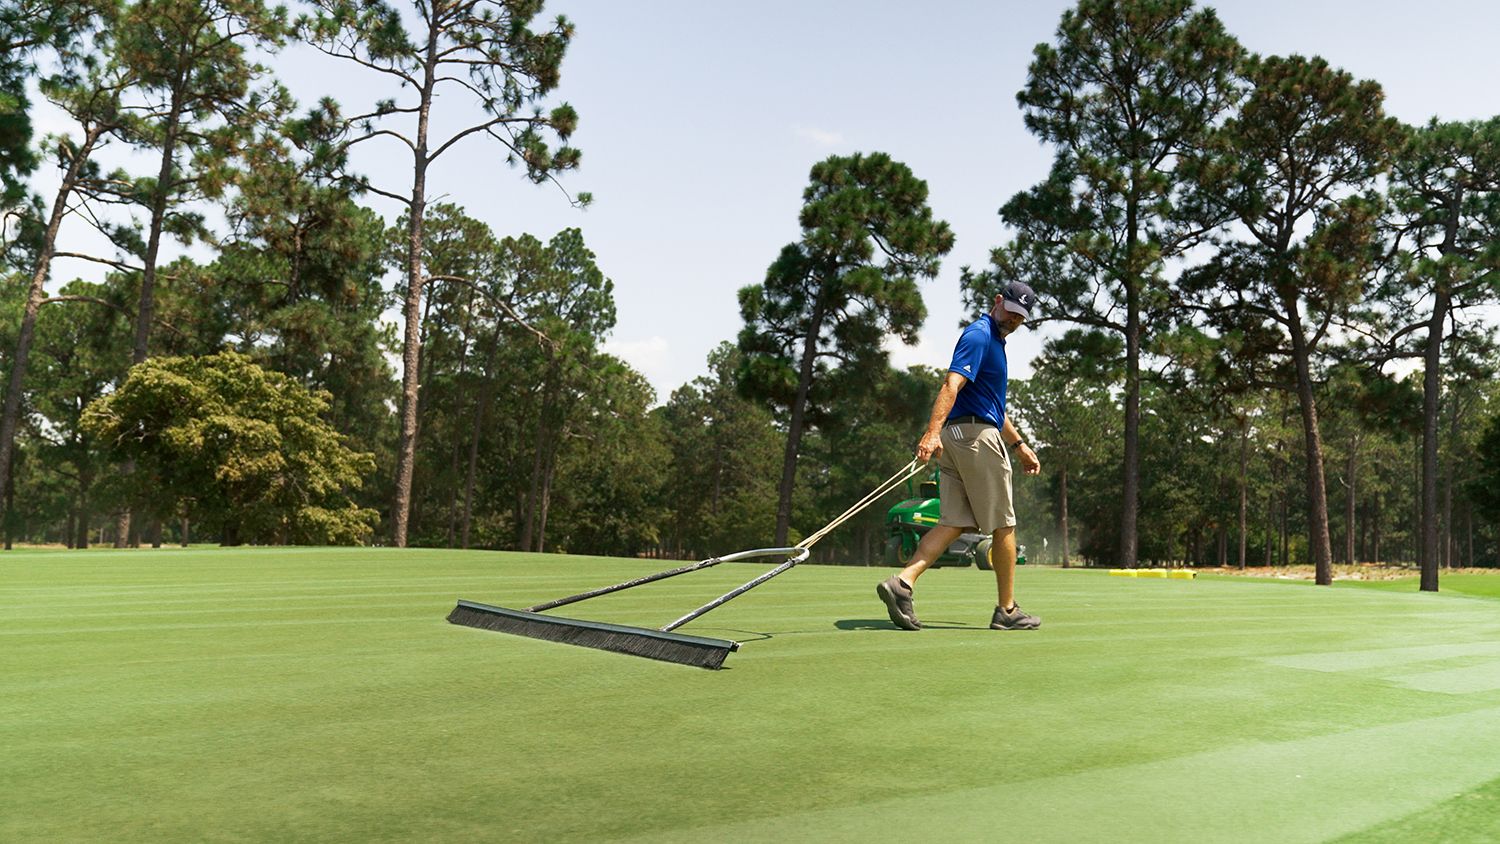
<point x="1486" y="585"/>
<point x="318" y="695"/>
<point x="1473" y="585"/>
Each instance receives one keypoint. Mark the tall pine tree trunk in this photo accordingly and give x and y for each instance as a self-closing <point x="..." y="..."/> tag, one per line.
<point x="1319" y="544"/>
<point x="1270" y="526"/>
<point x="1351" y="466"/>
<point x="1417" y="515"/>
<point x="472" y="471"/>
<point x="549" y="474"/>
<point x="411" y="351"/>
<point x="538" y="462"/>
<point x="1286" y="542"/>
<point x="85" y="481"/>
<point x="795" y="424"/>
<point x="486" y="397"/>
<point x="146" y="313"/>
<point x="37" y="293"/>
<point x="453" y="464"/>
<point x="1244" y="486"/>
<point x="1469" y="524"/>
<point x="9" y="489"/>
<point x="1442" y="301"/>
<point x="146" y="310"/>
<point x="1062" y="479"/>
<point x="1131" y="481"/>
<point x="533" y="497"/>
<point x="1431" y="405"/>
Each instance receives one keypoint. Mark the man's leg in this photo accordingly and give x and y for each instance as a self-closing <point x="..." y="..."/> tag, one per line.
<point x="1003" y="561"/>
<point x="1008" y="616"/>
<point x="896" y="590"/>
<point x="932" y="546"/>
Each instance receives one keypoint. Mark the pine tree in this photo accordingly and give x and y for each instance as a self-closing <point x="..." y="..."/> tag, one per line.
<point x="91" y="97"/>
<point x="1127" y="89"/>
<point x="1445" y="197"/>
<point x="1296" y="168"/>
<point x="484" y="50"/>
<point x="868" y="236"/>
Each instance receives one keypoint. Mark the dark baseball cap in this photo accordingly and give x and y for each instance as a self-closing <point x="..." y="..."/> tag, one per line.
<point x="1019" y="298"/>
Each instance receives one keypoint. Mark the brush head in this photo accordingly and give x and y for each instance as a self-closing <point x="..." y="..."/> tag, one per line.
<point x="700" y="651"/>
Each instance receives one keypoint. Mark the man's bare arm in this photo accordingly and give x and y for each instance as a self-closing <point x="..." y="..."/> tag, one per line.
<point x="931" y="443"/>
<point x="1012" y="439"/>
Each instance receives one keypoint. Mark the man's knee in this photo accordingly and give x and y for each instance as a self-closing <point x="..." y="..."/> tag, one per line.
<point x="1002" y="532"/>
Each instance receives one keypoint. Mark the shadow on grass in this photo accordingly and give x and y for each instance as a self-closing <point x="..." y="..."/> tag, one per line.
<point x="743" y="636"/>
<point x="842" y="624"/>
<point x="885" y="624"/>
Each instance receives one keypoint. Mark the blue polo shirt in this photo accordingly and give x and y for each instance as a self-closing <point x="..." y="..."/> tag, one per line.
<point x="980" y="357"/>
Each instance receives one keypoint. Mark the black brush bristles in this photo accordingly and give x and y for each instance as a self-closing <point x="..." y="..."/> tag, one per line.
<point x="637" y="641"/>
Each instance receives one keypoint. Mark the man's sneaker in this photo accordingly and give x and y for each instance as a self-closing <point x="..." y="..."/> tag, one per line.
<point x="1016" y="619"/>
<point x="897" y="597"/>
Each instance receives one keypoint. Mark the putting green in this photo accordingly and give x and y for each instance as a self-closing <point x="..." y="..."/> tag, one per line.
<point x="316" y="694"/>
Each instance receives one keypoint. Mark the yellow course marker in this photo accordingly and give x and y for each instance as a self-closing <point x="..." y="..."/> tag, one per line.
<point x="1174" y="574"/>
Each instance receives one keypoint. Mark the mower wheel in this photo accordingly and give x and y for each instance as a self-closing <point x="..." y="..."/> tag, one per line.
<point x="982" y="553"/>
<point x="893" y="551"/>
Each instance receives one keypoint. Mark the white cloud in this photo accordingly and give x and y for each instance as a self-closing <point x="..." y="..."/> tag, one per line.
<point x="821" y="137"/>
<point x="927" y="352"/>
<point x="651" y="356"/>
<point x="652" y="351"/>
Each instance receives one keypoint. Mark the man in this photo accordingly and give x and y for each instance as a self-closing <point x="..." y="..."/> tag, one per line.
<point x="972" y="437"/>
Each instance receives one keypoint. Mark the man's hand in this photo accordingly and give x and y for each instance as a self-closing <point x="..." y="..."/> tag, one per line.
<point x="930" y="446"/>
<point x="1029" y="464"/>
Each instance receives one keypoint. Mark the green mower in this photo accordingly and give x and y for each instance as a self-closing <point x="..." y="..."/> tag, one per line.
<point x="908" y="520"/>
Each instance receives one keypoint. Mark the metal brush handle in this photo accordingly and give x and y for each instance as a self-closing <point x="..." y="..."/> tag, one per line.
<point x="796" y="555"/>
<point x="663" y="575"/>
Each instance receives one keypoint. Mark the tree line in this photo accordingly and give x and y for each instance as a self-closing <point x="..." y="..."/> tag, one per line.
<point x="1255" y="222"/>
<point x="1270" y="340"/>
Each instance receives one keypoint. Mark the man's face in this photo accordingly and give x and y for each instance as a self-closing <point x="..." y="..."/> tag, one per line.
<point x="1008" y="321"/>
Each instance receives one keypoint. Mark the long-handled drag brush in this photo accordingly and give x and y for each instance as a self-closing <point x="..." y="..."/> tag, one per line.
<point x="662" y="642"/>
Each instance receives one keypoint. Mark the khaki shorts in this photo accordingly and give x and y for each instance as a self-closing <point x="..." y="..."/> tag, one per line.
<point x="975" y="482"/>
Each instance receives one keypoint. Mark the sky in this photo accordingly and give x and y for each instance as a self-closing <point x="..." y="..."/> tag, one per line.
<point x="699" y="122"/>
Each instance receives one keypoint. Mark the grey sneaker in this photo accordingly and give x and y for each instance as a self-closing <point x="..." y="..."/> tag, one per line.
<point x="897" y="598"/>
<point x="1016" y="619"/>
